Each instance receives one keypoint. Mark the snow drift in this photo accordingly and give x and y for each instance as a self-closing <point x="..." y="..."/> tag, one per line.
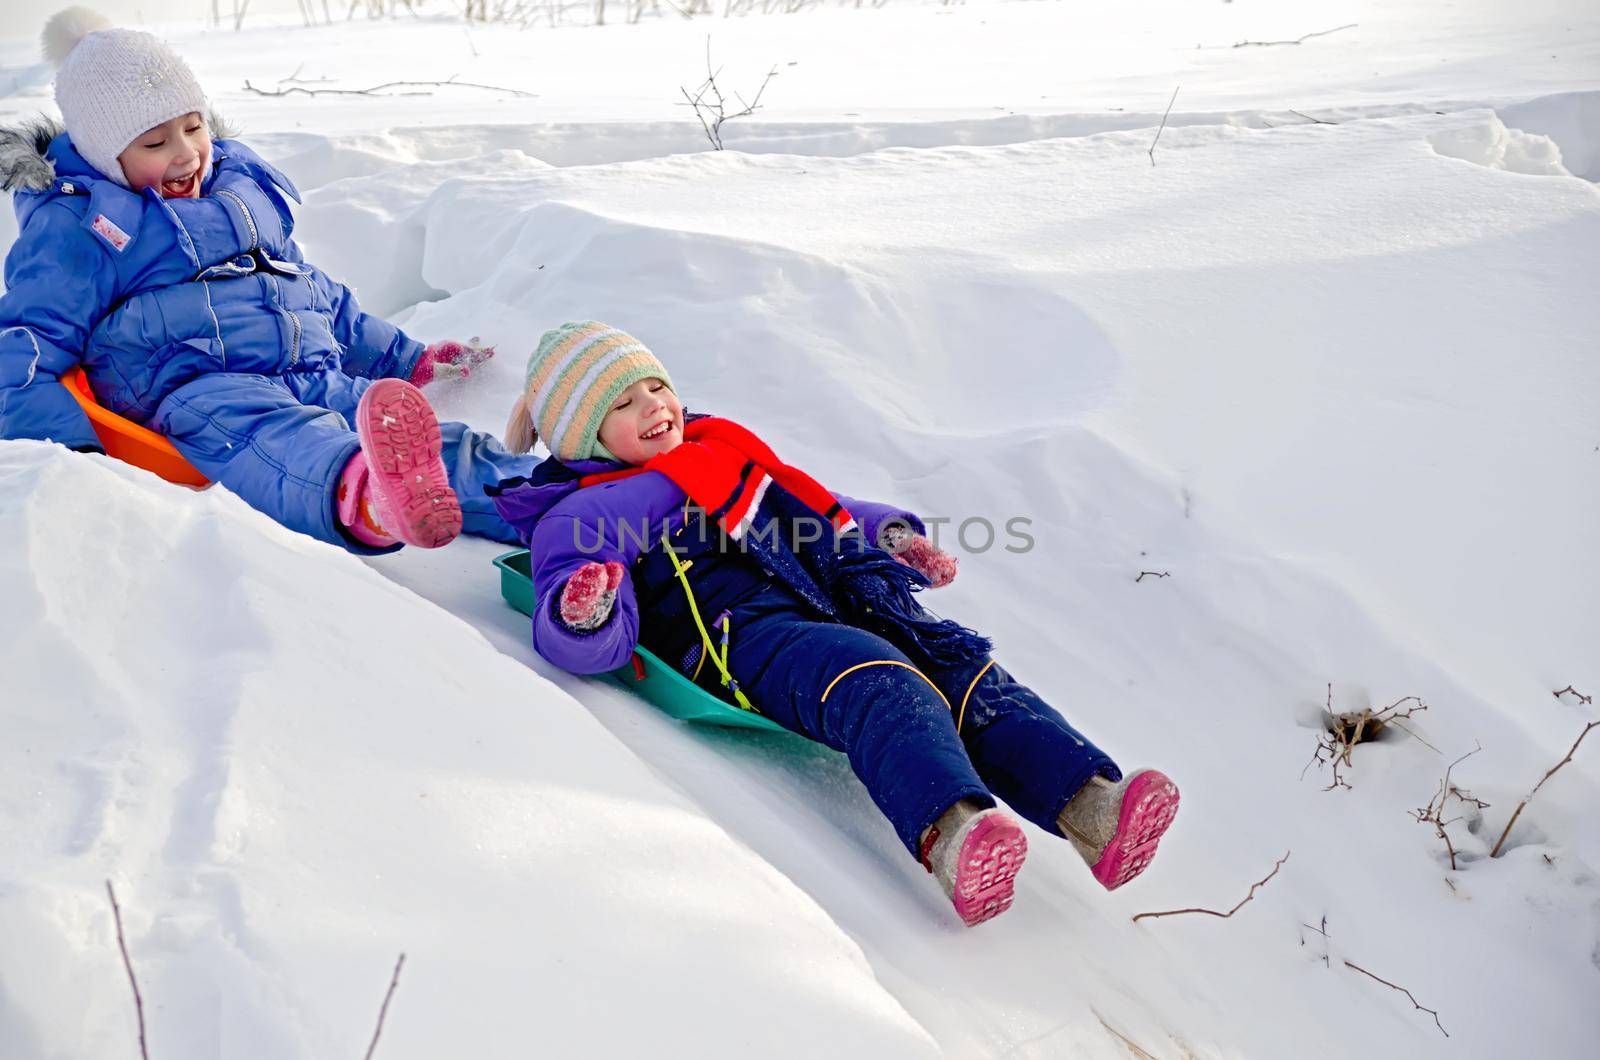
<point x="1333" y="385"/>
<point x="293" y="769"/>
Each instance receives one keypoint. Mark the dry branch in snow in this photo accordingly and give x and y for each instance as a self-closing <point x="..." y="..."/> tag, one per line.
<point x="1212" y="912"/>
<point x="1297" y="40"/>
<point x="133" y="981"/>
<point x="1394" y="986"/>
<point x="1344" y="731"/>
<point x="713" y="111"/>
<point x="394" y="981"/>
<point x="1498" y="843"/>
<point x="1434" y="812"/>
<point x="286" y="89"/>
<point x="1163" y="126"/>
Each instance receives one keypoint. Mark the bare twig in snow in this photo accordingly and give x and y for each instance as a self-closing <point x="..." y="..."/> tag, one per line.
<point x="1394" y="986"/>
<point x="1138" y="1051"/>
<point x="1433" y="813"/>
<point x="381" y="90"/>
<point x="1152" y="574"/>
<point x="1315" y="121"/>
<point x="713" y="112"/>
<point x="394" y="981"/>
<point x="1344" y="731"/>
<point x="1573" y="749"/>
<point x="1297" y="40"/>
<point x="1212" y="912"/>
<point x="1163" y="125"/>
<point x="1585" y="700"/>
<point x="122" y="944"/>
<point x="1323" y="931"/>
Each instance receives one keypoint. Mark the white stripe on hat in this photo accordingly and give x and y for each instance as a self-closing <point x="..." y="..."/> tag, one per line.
<point x="543" y="396"/>
<point x="588" y="380"/>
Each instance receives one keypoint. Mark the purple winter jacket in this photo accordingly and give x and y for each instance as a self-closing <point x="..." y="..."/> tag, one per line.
<point x="566" y="526"/>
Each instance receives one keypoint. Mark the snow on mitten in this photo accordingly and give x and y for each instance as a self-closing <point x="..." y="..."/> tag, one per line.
<point x="450" y="360"/>
<point x="588" y="595"/>
<point x="920" y="554"/>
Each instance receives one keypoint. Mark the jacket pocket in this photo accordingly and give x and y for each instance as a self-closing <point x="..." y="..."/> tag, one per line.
<point x="175" y="364"/>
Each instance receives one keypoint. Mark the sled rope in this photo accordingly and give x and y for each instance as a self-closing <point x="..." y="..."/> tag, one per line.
<point x="707" y="645"/>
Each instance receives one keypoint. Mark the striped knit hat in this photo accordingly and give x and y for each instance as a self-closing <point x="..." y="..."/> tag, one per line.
<point x="577" y="372"/>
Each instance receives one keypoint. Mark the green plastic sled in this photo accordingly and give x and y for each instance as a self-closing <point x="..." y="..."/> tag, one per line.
<point x="646" y="676"/>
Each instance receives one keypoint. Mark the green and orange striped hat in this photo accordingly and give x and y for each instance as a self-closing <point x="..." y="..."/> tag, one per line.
<point x="574" y="376"/>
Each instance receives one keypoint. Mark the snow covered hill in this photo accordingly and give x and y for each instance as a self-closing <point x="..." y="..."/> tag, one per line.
<point x="1335" y="384"/>
<point x="295" y="768"/>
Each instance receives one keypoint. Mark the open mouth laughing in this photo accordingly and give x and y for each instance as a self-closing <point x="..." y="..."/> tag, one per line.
<point x="182" y="188"/>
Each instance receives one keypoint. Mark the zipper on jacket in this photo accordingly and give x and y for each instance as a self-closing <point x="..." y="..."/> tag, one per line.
<point x="249" y="221"/>
<point x="294" y="321"/>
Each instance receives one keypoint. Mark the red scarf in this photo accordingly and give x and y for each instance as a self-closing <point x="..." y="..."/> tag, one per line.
<point x="725" y="469"/>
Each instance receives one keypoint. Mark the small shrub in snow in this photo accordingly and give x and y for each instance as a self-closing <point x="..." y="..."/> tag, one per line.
<point x="1450" y="797"/>
<point x="1343" y="731"/>
<point x="711" y="107"/>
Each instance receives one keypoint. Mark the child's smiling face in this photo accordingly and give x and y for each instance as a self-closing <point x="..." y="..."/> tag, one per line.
<point x="645" y="421"/>
<point x="172" y="157"/>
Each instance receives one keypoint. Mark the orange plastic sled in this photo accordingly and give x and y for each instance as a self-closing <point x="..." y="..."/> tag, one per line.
<point x="129" y="442"/>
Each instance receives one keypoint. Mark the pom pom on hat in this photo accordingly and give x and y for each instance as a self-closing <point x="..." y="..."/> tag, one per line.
<point x="66" y="28"/>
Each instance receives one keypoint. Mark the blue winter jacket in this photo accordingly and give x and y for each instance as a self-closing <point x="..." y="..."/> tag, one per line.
<point x="148" y="294"/>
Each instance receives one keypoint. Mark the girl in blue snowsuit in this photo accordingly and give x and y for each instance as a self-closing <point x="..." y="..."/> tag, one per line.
<point x="162" y="261"/>
<point x="687" y="535"/>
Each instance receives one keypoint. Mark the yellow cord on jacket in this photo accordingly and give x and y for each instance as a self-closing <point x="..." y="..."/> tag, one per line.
<point x="707" y="647"/>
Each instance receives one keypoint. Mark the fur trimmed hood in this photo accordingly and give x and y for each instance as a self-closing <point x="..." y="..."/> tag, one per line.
<point x="25" y="163"/>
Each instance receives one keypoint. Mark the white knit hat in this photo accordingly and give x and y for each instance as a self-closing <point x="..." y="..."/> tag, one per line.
<point x="113" y="84"/>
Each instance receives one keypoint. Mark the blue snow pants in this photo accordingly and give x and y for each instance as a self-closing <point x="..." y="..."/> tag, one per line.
<point x="281" y="442"/>
<point x="919" y="741"/>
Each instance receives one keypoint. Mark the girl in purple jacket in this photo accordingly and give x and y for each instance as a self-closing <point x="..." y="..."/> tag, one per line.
<point x="688" y="535"/>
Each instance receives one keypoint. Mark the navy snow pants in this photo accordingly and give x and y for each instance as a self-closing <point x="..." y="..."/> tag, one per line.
<point x="281" y="442"/>
<point x="855" y="692"/>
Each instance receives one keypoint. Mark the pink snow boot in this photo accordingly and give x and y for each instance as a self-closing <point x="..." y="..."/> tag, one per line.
<point x="397" y="488"/>
<point x="355" y="508"/>
<point x="975" y="855"/>
<point x="1115" y="827"/>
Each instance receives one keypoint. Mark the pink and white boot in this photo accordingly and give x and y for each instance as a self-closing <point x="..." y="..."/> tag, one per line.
<point x="1115" y="827"/>
<point x="396" y="488"/>
<point x="975" y="855"/>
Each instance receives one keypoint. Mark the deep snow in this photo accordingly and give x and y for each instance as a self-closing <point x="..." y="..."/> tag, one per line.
<point x="1339" y="380"/>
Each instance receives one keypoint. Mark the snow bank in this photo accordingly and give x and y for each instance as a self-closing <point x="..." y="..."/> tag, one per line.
<point x="293" y="769"/>
<point x="1325" y="377"/>
<point x="1333" y="384"/>
<point x="1571" y="120"/>
<point x="1343" y="290"/>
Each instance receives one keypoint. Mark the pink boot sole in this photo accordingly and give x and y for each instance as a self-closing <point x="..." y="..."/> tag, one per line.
<point x="400" y="438"/>
<point x="986" y="871"/>
<point x="1148" y="807"/>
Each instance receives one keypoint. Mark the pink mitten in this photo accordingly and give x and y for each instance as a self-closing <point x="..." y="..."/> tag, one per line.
<point x="920" y="554"/>
<point x="450" y="360"/>
<point x="589" y="593"/>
